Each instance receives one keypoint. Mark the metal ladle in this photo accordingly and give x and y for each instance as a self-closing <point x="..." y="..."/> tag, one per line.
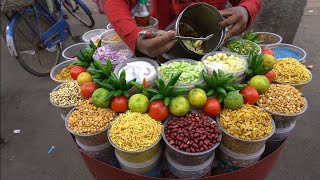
<point x="193" y="38"/>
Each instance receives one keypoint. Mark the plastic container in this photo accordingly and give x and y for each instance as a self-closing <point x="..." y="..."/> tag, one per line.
<point x="224" y="48"/>
<point x="117" y="47"/>
<point x="62" y="117"/>
<point x="299" y="51"/>
<point x="282" y="133"/>
<point x="189" y="86"/>
<point x="64" y="110"/>
<point x="186" y="158"/>
<point x="107" y="35"/>
<point x="233" y="159"/>
<point x="241" y="74"/>
<point x="284" y="120"/>
<point x="268" y="39"/>
<point x="55" y="70"/>
<point x="182" y="171"/>
<point x="153" y="24"/>
<point x="139" y="156"/>
<point x="97" y="151"/>
<point x="240" y="145"/>
<point x="70" y="52"/>
<point x="149" y="81"/>
<point x="299" y="86"/>
<point x="88" y="139"/>
<point x="139" y="168"/>
<point x="86" y="37"/>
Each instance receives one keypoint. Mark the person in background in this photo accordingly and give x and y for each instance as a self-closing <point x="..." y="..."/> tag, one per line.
<point x="240" y="17"/>
<point x="100" y="5"/>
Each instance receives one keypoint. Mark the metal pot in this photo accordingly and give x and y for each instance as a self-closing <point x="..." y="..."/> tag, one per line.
<point x="204" y="19"/>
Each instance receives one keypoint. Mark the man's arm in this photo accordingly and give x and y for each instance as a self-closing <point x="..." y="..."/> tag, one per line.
<point x="252" y="6"/>
<point x="120" y="17"/>
<point x="118" y="13"/>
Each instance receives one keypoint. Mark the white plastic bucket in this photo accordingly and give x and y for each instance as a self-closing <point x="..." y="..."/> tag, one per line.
<point x="182" y="171"/>
<point x="139" y="168"/>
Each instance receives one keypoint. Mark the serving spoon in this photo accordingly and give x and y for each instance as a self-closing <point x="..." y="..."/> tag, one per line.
<point x="153" y="34"/>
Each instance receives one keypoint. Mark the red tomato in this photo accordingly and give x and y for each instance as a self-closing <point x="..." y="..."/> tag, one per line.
<point x="87" y="89"/>
<point x="75" y="71"/>
<point x="270" y="75"/>
<point x="212" y="107"/>
<point x="158" y="111"/>
<point x="119" y="104"/>
<point x="250" y="95"/>
<point x="267" y="51"/>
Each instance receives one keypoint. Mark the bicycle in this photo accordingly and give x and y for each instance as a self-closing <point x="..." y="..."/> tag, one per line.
<point x="80" y="11"/>
<point x="33" y="36"/>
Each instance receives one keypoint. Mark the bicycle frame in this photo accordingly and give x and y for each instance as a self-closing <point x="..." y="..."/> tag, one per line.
<point x="59" y="31"/>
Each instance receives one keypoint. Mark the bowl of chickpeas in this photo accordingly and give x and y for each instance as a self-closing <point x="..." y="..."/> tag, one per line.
<point x="284" y="102"/>
<point x="89" y="124"/>
<point x="245" y="130"/>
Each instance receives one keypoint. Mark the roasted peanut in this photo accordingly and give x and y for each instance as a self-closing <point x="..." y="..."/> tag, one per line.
<point x="281" y="98"/>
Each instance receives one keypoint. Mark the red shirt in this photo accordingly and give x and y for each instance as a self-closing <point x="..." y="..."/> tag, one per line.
<point x="119" y="15"/>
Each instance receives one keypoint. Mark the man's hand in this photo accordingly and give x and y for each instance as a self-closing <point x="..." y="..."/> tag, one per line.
<point x="237" y="17"/>
<point x="156" y="46"/>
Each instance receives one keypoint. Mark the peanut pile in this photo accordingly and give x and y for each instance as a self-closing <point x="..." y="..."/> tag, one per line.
<point x="284" y="99"/>
<point x="67" y="95"/>
<point x="249" y="122"/>
<point x="88" y="119"/>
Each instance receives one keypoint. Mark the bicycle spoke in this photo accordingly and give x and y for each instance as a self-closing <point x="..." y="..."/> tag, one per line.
<point x="29" y="52"/>
<point x="32" y="53"/>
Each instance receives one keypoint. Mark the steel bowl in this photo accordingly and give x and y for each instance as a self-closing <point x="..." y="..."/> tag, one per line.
<point x="204" y="19"/>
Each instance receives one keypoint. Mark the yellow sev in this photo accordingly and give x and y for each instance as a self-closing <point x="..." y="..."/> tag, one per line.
<point x="134" y="131"/>
<point x="290" y="70"/>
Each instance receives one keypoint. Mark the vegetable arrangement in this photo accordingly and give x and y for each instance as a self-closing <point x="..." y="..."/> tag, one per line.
<point x="116" y="86"/>
<point x="100" y="72"/>
<point x="164" y="91"/>
<point x="138" y="125"/>
<point x="255" y="65"/>
<point x="84" y="57"/>
<point x="219" y="84"/>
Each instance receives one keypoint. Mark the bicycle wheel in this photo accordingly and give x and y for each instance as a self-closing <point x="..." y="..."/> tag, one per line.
<point x="80" y="11"/>
<point x="33" y="56"/>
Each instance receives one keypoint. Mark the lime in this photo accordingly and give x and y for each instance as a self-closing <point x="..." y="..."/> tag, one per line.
<point x="179" y="106"/>
<point x="260" y="83"/>
<point x="139" y="103"/>
<point x="99" y="98"/>
<point x="197" y="97"/>
<point x="268" y="60"/>
<point x="233" y="100"/>
<point x="83" y="78"/>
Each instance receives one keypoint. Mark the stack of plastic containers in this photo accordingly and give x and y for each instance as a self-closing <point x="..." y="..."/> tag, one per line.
<point x="145" y="162"/>
<point x="189" y="165"/>
<point x="235" y="153"/>
<point x="231" y="161"/>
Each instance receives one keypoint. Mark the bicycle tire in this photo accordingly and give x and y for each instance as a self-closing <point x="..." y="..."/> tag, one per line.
<point x="47" y="54"/>
<point x="84" y="7"/>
